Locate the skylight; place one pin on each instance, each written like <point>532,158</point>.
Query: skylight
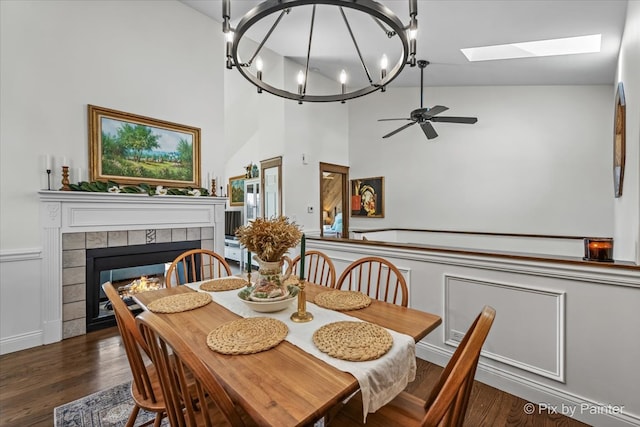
<point>564,46</point>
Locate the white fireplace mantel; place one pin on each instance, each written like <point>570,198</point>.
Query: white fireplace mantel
<point>71,212</point>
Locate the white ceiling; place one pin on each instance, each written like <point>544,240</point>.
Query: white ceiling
<point>445,27</point>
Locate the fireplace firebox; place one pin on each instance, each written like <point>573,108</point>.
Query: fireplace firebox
<point>122,265</point>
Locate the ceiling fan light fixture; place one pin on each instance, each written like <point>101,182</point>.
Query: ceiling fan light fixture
<point>392,27</point>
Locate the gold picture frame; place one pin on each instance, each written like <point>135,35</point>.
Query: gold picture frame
<point>131,149</point>
<point>236,190</point>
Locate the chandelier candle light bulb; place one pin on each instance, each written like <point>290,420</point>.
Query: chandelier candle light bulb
<point>343,81</point>
<point>259,66</point>
<point>229,42</point>
<point>384,63</point>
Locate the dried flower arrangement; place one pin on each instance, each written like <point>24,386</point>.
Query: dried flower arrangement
<point>269,239</point>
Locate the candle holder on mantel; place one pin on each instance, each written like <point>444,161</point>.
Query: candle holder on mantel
<point>302,315</point>
<point>48,179</point>
<point>598,249</point>
<point>213,188</point>
<point>65,179</point>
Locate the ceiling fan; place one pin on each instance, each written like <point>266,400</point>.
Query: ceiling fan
<point>424,116</point>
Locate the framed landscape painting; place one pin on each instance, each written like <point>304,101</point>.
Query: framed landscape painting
<point>236,190</point>
<point>131,149</point>
<point>367,197</point>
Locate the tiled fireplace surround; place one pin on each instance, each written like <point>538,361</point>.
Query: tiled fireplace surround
<point>74,248</point>
<point>73,222</point>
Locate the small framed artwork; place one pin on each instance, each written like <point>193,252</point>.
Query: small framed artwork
<point>619,130</point>
<point>367,197</point>
<point>131,149</point>
<point>236,190</point>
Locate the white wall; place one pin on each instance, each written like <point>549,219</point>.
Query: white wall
<point>627,207</point>
<point>319,131</point>
<point>537,161</point>
<point>154,58</point>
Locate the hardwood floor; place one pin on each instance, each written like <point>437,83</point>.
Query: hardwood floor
<point>34,381</point>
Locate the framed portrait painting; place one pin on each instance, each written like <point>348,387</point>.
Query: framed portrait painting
<point>131,149</point>
<point>367,197</point>
<point>236,190</point>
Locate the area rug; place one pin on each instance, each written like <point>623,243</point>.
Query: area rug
<point>107,408</point>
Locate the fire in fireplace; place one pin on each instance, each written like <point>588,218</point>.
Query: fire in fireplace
<point>122,266</point>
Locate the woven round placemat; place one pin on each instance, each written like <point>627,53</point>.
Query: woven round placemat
<point>353,341</point>
<point>223,284</point>
<point>247,336</point>
<point>342,300</point>
<point>180,302</point>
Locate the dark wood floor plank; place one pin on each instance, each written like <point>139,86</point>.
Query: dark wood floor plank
<point>34,381</point>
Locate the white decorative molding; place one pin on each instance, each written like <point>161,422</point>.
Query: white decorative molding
<point>507,295</point>
<point>71,212</point>
<point>582,272</point>
<point>17,255</point>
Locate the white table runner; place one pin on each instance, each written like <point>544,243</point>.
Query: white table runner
<point>380,380</point>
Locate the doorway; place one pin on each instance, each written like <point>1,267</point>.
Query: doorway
<point>334,196</point>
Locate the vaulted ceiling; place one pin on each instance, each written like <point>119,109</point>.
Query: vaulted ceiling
<point>446,26</point>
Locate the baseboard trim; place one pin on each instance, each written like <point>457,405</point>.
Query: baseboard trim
<point>537,392</point>
<point>21,342</point>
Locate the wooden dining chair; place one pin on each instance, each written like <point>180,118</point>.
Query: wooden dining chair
<point>176,362</point>
<point>195,265</point>
<point>448,401</point>
<point>376,277</point>
<point>319,268</point>
<point>145,387</point>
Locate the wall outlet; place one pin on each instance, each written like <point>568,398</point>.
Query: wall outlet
<point>309,209</point>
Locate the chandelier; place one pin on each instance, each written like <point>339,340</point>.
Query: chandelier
<point>374,50</point>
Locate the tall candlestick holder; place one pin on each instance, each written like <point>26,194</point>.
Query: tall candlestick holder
<point>48,179</point>
<point>302,315</point>
<point>65,179</point>
<point>213,188</point>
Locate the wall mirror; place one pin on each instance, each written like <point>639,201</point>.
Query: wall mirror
<point>271,183</point>
<point>334,196</point>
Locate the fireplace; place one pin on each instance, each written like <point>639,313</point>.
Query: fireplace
<point>74,222</point>
<point>121,266</point>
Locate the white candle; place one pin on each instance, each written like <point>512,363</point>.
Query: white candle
<point>47,162</point>
<point>208,183</point>
<point>79,175</point>
<point>64,162</point>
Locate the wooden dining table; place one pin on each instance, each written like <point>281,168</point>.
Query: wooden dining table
<point>283,386</point>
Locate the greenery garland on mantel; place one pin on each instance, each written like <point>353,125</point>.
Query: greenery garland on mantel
<point>114,187</point>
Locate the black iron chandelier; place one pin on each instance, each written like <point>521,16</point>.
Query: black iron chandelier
<point>250,38</point>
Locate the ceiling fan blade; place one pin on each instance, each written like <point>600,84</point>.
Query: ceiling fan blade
<point>436,109</point>
<point>386,120</point>
<point>468,120</point>
<point>399,129</point>
<point>428,130</point>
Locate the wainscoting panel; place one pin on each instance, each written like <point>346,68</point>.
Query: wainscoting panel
<point>20,328</point>
<point>528,332</point>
